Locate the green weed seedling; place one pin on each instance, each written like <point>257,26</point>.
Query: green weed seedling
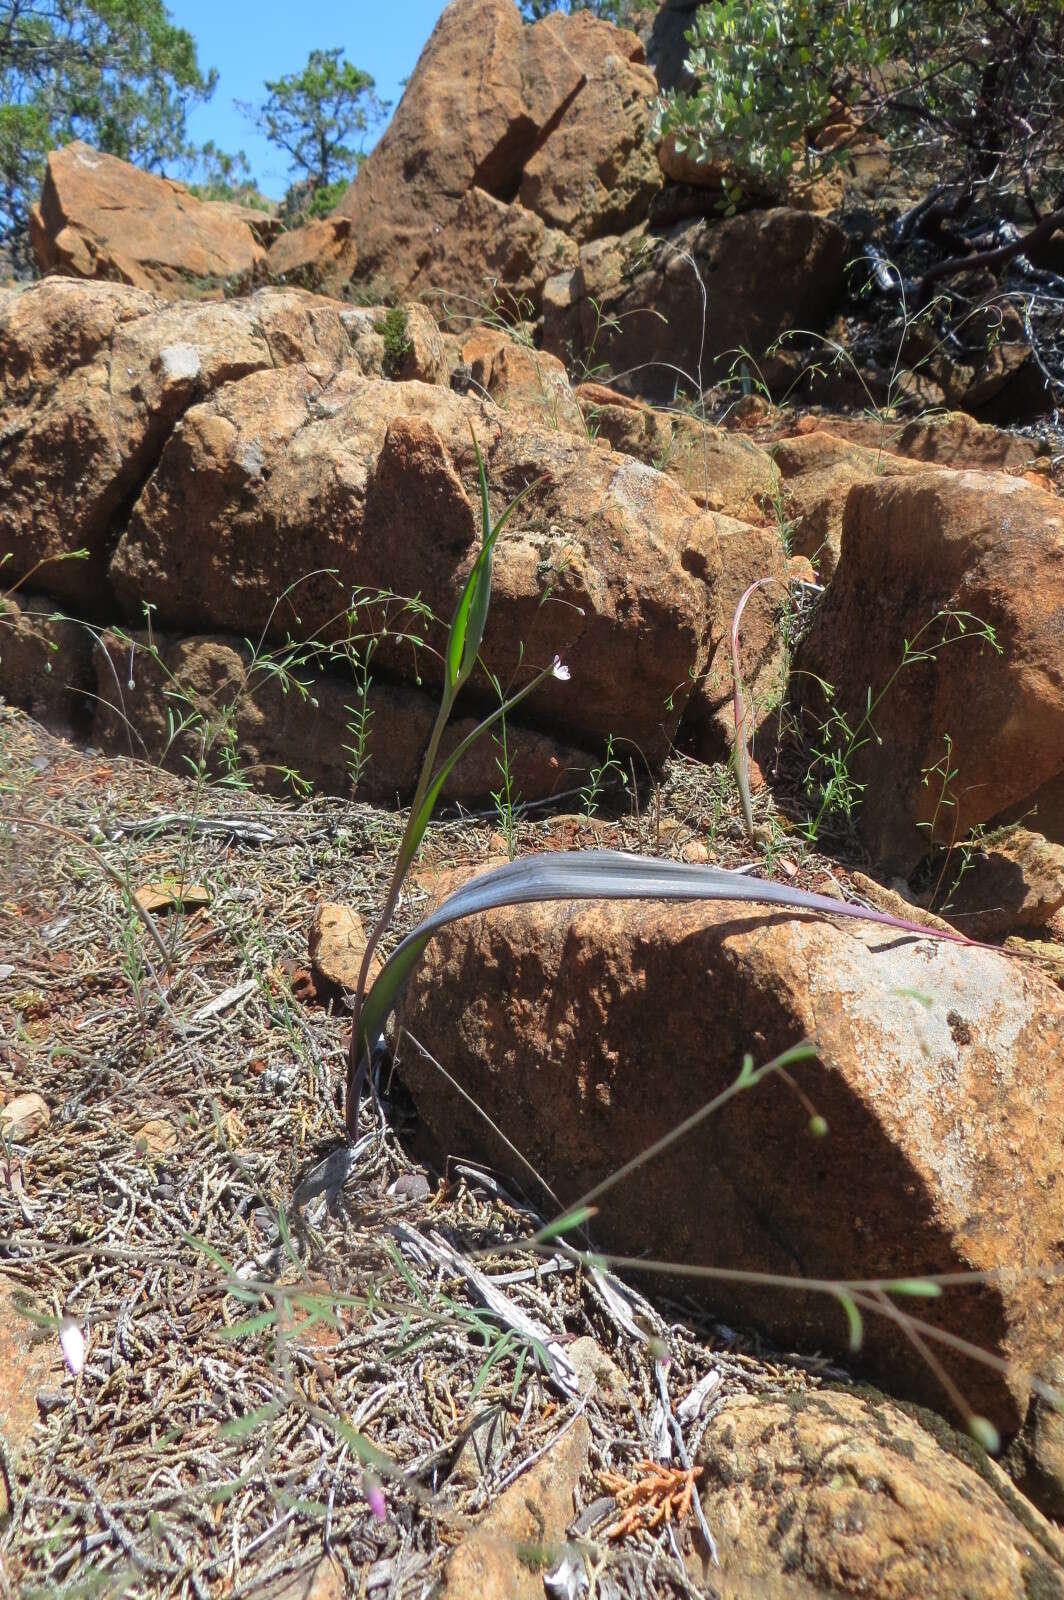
<point>830,780</point>
<point>505,798</point>
<point>608,770</point>
<point>396,339</point>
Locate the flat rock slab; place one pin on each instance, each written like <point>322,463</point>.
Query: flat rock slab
<point>100,217</point>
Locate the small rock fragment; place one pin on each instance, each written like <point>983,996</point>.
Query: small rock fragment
<point>156,1137</point>
<point>24,1116</point>
<point>325,1581</point>
<point>410,1186</point>
<point>805,1493</point>
<point>505,1556</point>
<point>1017,882</point>
<point>800,570</point>
<point>596,1370</point>
<point>169,894</point>
<point>336,946</point>
<point>483,1445</point>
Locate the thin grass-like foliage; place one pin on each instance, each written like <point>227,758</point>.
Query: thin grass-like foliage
<point>459,659</point>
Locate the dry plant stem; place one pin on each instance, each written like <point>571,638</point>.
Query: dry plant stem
<point>21,820</point>
<point>990,258</point>
<point>45,561</point>
<point>427,1055</point>
<point>742,758</point>
<point>869,1296</point>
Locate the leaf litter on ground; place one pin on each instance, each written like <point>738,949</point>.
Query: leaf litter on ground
<point>263,1363</point>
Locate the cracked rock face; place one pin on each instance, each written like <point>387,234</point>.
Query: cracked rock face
<point>511,145</point>
<point>95,378</point>
<point>668,311</point>
<point>245,468</point>
<point>366,485</point>
<point>915,548</point>
<point>588,1031</point>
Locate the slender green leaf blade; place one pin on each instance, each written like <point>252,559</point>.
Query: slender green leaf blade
<point>566,1224</point>
<point>239,1427</point>
<point>918,1288</point>
<point>853,1317</point>
<point>249,1326</point>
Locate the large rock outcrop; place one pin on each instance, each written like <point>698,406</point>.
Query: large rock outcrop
<point>287,466</point>
<point>95,378</point>
<point>587,1031</point>
<point>356,488</point>
<point>520,174</point>
<point>667,47</point>
<point>100,217</point>
<point>321,255</point>
<point>670,312</point>
<point>510,145</point>
<point>921,556</point>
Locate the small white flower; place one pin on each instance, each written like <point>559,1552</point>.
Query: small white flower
<point>560,670</point>
<point>73,1342</point>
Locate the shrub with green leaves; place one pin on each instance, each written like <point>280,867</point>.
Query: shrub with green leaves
<point>117,73</point>
<point>326,197</point>
<point>978,84</point>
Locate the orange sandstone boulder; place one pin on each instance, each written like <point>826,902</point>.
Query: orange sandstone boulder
<point>918,552</point>
<point>586,1031</point>
<point>100,217</point>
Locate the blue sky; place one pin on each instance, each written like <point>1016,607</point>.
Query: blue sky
<point>249,41</point>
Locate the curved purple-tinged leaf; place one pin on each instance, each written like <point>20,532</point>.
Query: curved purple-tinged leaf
<point>603,875</point>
